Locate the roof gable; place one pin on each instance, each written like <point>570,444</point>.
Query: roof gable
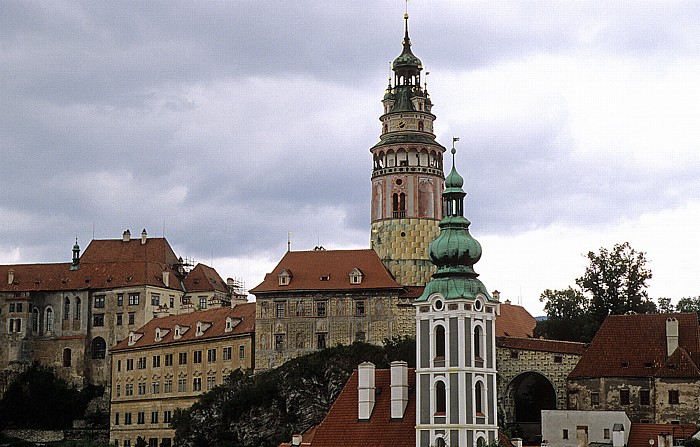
<point>514,321</point>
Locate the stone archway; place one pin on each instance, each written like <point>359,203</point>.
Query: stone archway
<point>526,396</point>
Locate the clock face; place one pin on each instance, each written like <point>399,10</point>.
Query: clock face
<point>401,124</point>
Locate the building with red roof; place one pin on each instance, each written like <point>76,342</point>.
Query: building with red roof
<point>645,365</point>
<point>166,364</point>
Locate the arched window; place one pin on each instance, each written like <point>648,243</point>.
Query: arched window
<point>77,308</point>
<point>420,124</point>
<point>48,325</point>
<point>66,357</point>
<point>35,320</point>
<point>66,309</point>
<point>477,343</point>
<point>478,398</point>
<point>439,343</point>
<point>440,399</point>
<point>440,442</point>
<point>99,348</point>
<point>481,442</point>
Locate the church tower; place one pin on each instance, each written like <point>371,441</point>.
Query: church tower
<point>455,339</point>
<point>407,175</point>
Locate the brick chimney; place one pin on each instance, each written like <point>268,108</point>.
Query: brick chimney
<point>671,335</point>
<point>126,235</point>
<point>296,440</point>
<point>496,295</point>
<point>143,236</point>
<point>399,388</point>
<point>365,390</point>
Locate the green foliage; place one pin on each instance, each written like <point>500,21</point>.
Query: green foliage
<point>665,306</point>
<point>39,399</point>
<point>614,283</point>
<point>267,408</point>
<point>140,442</point>
<point>688,304</point>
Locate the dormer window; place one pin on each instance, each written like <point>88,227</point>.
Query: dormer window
<point>356,276</point>
<point>284,278</point>
<point>201,328</point>
<point>326,277</point>
<point>134,337</point>
<point>180,331</point>
<point>160,333</point>
<point>231,323</point>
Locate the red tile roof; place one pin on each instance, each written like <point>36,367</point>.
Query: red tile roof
<point>514,321</point>
<point>341,426</point>
<point>307,268</point>
<point>542,345</point>
<point>216,317</point>
<point>203,278</point>
<point>635,346</point>
<point>640,434</point>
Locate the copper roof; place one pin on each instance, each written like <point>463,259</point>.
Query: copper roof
<point>216,317</point>
<point>542,345</point>
<point>203,278</point>
<point>328,270</point>
<point>635,346</point>
<point>341,426</point>
<point>640,434</point>
<point>514,321</point>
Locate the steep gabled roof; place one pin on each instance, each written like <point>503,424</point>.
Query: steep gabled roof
<point>203,278</point>
<point>542,345</point>
<point>342,427</point>
<point>640,434</point>
<point>635,346</point>
<point>514,321</point>
<point>243,314</point>
<point>307,268</point>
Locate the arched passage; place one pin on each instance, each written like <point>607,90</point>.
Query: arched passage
<point>527,395</point>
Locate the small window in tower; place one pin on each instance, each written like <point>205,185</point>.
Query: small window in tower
<point>420,123</point>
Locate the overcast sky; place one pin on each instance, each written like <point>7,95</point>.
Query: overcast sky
<point>225,125</point>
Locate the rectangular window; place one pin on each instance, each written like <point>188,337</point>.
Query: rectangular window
<point>155,299</point>
<point>134,299</point>
<point>120,319</point>
<point>606,433</point>
<point>321,341</point>
<point>120,299</point>
<point>131,318</point>
<point>181,385</point>
<point>141,417</point>
<point>127,443</point>
<point>279,342</point>
<point>172,301</point>
<point>156,361</point>
<point>167,416</point>
<point>155,388</point>
<point>127,420</point>
<point>227,353</point>
<point>211,382</point>
<point>321,309</point>
<point>644,397</point>
<point>12,307</point>
<point>197,384</point>
<point>142,388</point>
<point>558,359</point>
<point>595,399</point>
<point>168,386</point>
<point>197,357</point>
<point>152,442</point>
<point>154,417</point>
<point>182,358</point>
<point>99,301</point>
<point>129,364</point>
<point>241,352</point>
<point>116,418</point>
<point>359,308</point>
<point>673,397</point>
<point>565,434</point>
<point>19,307</point>
<point>514,355</point>
<point>211,355</point>
<point>129,389</point>
<point>119,390</point>
<point>202,302</point>
<point>141,363</point>
<point>168,360</point>
<point>624,397</point>
<point>280,310</point>
<point>98,320</point>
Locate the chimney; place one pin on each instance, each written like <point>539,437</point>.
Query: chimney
<point>665,440</point>
<point>399,388</point>
<point>10,276</point>
<point>671,335</point>
<point>143,236</point>
<point>166,279</point>
<point>296,440</point>
<point>126,236</point>
<point>365,390</point>
<point>618,435</point>
<point>496,295</point>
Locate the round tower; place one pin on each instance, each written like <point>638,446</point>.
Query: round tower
<point>407,174</point>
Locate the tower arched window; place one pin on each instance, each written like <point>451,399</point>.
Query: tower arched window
<point>439,342</point>
<point>66,309</point>
<point>48,323</point>
<point>77,308</point>
<point>35,320</point>
<point>440,399</point>
<point>478,354</point>
<point>99,348</point>
<point>479,398</point>
<point>420,123</point>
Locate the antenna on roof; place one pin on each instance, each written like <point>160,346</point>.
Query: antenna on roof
<point>289,241</point>
<point>163,234</point>
<point>93,229</point>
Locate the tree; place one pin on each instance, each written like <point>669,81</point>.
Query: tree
<point>617,281</point>
<point>665,306</point>
<point>688,304</point>
<point>567,316</point>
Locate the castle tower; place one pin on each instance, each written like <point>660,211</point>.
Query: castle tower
<point>455,340</point>
<point>407,174</point>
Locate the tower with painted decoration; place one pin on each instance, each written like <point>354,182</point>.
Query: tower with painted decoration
<point>455,338</point>
<point>407,174</point>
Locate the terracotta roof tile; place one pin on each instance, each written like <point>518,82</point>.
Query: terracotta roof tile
<point>203,278</point>
<point>216,317</point>
<point>341,426</point>
<point>635,346</point>
<point>640,434</point>
<point>514,321</point>
<point>542,345</point>
<point>308,267</point>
